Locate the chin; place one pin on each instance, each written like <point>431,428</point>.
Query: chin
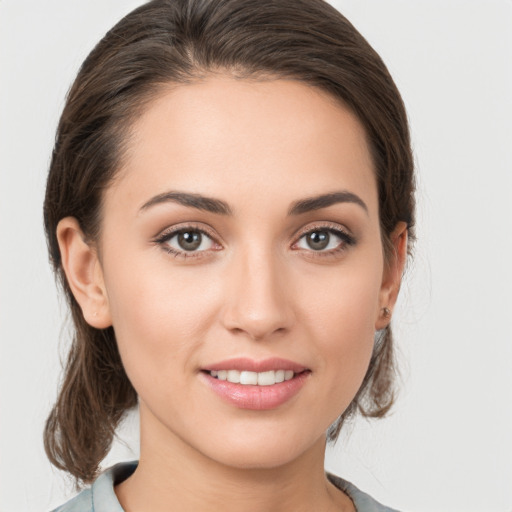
<point>263,450</point>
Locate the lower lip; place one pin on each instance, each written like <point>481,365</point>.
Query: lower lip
<point>257,398</point>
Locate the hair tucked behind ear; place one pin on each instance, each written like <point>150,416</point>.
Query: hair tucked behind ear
<point>93,398</point>
<point>376,394</point>
<point>177,42</point>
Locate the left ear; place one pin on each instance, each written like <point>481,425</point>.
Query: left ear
<point>392,276</point>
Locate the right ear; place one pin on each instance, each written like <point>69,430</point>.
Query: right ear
<point>83,273</point>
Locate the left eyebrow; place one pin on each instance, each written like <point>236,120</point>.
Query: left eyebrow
<point>323,201</point>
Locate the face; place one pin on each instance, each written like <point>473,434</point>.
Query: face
<point>241,241</point>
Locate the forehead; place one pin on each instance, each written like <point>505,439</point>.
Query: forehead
<point>265,141</point>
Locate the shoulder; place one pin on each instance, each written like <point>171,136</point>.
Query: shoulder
<point>101,496</point>
<point>363,502</point>
<point>80,503</point>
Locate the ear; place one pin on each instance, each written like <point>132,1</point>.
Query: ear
<point>83,273</point>
<point>392,276</point>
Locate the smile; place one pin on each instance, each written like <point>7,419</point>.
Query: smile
<point>257,385</point>
<point>268,378</point>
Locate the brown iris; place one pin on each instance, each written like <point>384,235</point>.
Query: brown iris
<point>318,240</point>
<point>190,240</point>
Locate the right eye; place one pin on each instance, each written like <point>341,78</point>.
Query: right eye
<point>186,242</point>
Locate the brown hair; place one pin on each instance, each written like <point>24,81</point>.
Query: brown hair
<point>179,41</point>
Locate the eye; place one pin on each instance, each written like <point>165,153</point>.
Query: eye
<point>186,242</point>
<point>324,240</point>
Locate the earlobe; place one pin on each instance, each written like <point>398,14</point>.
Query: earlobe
<point>83,273</point>
<point>392,276</point>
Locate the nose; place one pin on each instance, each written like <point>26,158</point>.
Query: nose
<point>258,301</point>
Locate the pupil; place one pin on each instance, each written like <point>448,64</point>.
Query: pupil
<point>189,240</point>
<point>318,240</point>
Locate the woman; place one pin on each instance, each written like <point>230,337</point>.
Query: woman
<point>229,209</point>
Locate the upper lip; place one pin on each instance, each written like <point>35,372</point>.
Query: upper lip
<point>251,365</point>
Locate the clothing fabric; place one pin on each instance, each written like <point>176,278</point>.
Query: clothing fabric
<point>100,497</point>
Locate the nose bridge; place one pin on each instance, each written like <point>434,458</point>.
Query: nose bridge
<point>258,303</point>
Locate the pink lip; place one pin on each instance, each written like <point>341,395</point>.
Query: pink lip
<point>250,365</point>
<point>256,398</point>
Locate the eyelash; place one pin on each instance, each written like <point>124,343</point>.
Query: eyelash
<point>347,240</point>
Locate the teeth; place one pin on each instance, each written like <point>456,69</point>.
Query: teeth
<point>248,378</point>
<point>233,376</point>
<point>253,378</point>
<point>266,378</point>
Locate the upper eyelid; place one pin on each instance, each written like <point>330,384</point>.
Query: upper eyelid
<point>327,226</point>
<point>175,229</point>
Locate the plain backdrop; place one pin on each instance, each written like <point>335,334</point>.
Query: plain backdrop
<point>448,444</point>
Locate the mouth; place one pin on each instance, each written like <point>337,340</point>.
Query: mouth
<point>249,378</point>
<point>257,385</point>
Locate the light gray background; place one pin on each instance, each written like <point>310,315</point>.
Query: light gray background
<point>448,445</point>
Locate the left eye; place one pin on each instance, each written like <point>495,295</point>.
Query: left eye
<point>189,240</point>
<point>321,240</point>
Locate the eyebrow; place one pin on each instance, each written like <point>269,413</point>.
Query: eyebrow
<point>218,206</point>
<point>323,201</point>
<point>198,201</point>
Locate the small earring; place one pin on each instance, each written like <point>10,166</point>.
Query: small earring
<point>386,312</point>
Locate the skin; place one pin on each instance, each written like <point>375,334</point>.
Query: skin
<point>255,288</point>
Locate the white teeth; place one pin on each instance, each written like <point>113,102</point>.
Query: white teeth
<point>280,376</point>
<point>233,376</point>
<point>266,378</point>
<point>248,378</point>
<point>253,378</point>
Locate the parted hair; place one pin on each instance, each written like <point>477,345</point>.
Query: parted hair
<point>178,42</point>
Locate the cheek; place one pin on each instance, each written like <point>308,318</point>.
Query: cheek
<point>340,312</point>
<point>159,317</point>
<point>343,302</point>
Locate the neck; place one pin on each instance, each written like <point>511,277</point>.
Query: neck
<point>175,476</point>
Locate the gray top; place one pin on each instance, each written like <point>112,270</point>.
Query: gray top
<point>102,498</point>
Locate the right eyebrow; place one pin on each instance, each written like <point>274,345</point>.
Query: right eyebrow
<point>198,201</point>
